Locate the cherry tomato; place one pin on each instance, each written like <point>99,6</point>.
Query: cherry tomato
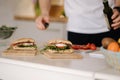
<point>93,46</point>
<point>76,47</point>
<point>85,47</point>
<point>88,45</point>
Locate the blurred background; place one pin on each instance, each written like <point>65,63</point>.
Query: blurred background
<point>22,14</point>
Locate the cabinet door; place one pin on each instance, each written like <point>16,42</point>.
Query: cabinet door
<point>15,72</point>
<point>1,76</point>
<point>1,72</point>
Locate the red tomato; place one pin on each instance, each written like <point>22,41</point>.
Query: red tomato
<point>93,46</point>
<point>76,47</point>
<point>88,45</point>
<point>83,47</point>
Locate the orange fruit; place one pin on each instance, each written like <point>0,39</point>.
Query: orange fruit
<point>119,50</point>
<point>113,46</point>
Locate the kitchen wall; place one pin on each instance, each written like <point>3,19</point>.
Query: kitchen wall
<point>28,28</point>
<point>7,8</point>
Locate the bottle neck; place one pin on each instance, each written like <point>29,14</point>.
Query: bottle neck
<point>105,2</point>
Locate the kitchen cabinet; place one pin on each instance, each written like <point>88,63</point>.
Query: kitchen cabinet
<point>108,74</point>
<point>1,76</point>
<point>17,72</point>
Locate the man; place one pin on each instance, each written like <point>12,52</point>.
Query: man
<point>86,22</point>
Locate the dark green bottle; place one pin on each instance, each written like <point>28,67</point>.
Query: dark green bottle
<point>108,12</point>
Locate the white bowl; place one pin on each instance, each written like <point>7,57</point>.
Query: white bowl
<point>112,58</point>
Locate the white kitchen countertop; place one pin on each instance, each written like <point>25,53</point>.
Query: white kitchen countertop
<point>88,66</point>
<point>62,65</point>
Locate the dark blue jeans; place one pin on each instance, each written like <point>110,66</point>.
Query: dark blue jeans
<point>79,38</point>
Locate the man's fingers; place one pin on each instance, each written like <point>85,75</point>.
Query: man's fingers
<point>116,24</point>
<point>40,26</point>
<point>117,19</point>
<point>115,13</point>
<point>39,23</point>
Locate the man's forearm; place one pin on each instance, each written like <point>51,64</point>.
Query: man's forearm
<point>117,3</point>
<point>45,6</point>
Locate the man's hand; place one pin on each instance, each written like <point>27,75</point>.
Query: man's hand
<point>116,19</point>
<point>40,21</point>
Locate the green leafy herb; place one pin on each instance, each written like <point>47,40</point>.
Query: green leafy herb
<point>6,32</point>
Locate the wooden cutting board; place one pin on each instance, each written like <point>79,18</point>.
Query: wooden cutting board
<point>20,52</point>
<point>63,56</point>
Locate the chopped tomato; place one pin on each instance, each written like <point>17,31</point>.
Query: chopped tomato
<point>76,47</point>
<point>93,47</point>
<point>88,45</point>
<point>85,47</point>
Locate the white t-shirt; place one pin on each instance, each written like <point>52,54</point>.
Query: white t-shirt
<point>86,16</point>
